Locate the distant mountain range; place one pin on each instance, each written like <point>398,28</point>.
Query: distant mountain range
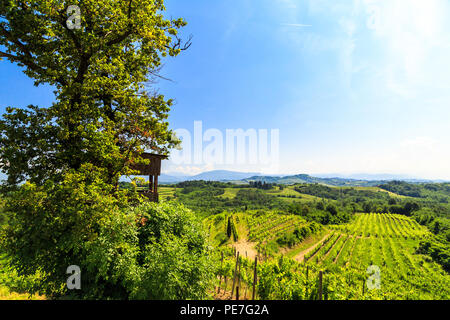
<point>328,179</point>
<point>215,175</point>
<point>333,180</point>
<point>304,178</point>
<point>366,176</point>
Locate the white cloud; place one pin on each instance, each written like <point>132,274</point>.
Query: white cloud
<point>413,35</point>
<point>424,143</point>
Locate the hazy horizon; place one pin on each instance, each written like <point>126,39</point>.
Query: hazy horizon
<point>355,176</point>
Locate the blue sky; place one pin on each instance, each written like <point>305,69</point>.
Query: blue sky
<point>353,86</point>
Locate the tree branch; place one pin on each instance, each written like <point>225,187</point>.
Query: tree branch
<point>27,58</point>
<point>178,45</point>
<point>16,41</point>
<point>128,32</point>
<point>63,22</point>
<point>9,56</point>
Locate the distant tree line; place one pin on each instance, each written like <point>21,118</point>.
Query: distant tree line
<point>439,192</point>
<point>262,185</point>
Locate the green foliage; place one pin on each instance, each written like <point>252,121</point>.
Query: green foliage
<point>3,215</point>
<point>57,225</point>
<point>231,229</point>
<point>11,280</point>
<point>177,259</point>
<point>63,162</point>
<point>261,185</point>
<point>285,279</point>
<point>439,251</point>
<point>329,214</point>
<point>234,230</point>
<point>202,184</point>
<point>385,240</point>
<point>332,209</point>
<point>438,191</point>
<point>334,193</point>
<point>204,198</point>
<point>291,238</point>
<point>76,222</point>
<point>104,113</point>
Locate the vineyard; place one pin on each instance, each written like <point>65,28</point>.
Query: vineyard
<point>267,231</point>
<point>341,260</point>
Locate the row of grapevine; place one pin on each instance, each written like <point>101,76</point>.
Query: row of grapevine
<point>341,260</point>
<point>312,253</point>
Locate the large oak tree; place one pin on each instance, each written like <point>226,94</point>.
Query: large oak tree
<point>72,153</point>
<point>102,65</point>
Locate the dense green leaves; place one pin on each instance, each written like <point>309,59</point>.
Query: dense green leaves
<point>438,251</point>
<point>153,251</point>
<point>175,255</point>
<point>64,161</point>
<point>105,113</point>
<point>70,223</point>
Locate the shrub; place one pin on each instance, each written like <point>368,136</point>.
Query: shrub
<point>57,225</point>
<point>153,251</point>
<point>176,257</point>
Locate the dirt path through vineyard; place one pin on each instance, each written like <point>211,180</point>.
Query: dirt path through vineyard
<point>301,256</point>
<point>246,249</point>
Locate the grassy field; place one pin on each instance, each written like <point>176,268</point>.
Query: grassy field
<point>165,192</point>
<point>229,193</point>
<point>377,189</point>
<point>288,194</point>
